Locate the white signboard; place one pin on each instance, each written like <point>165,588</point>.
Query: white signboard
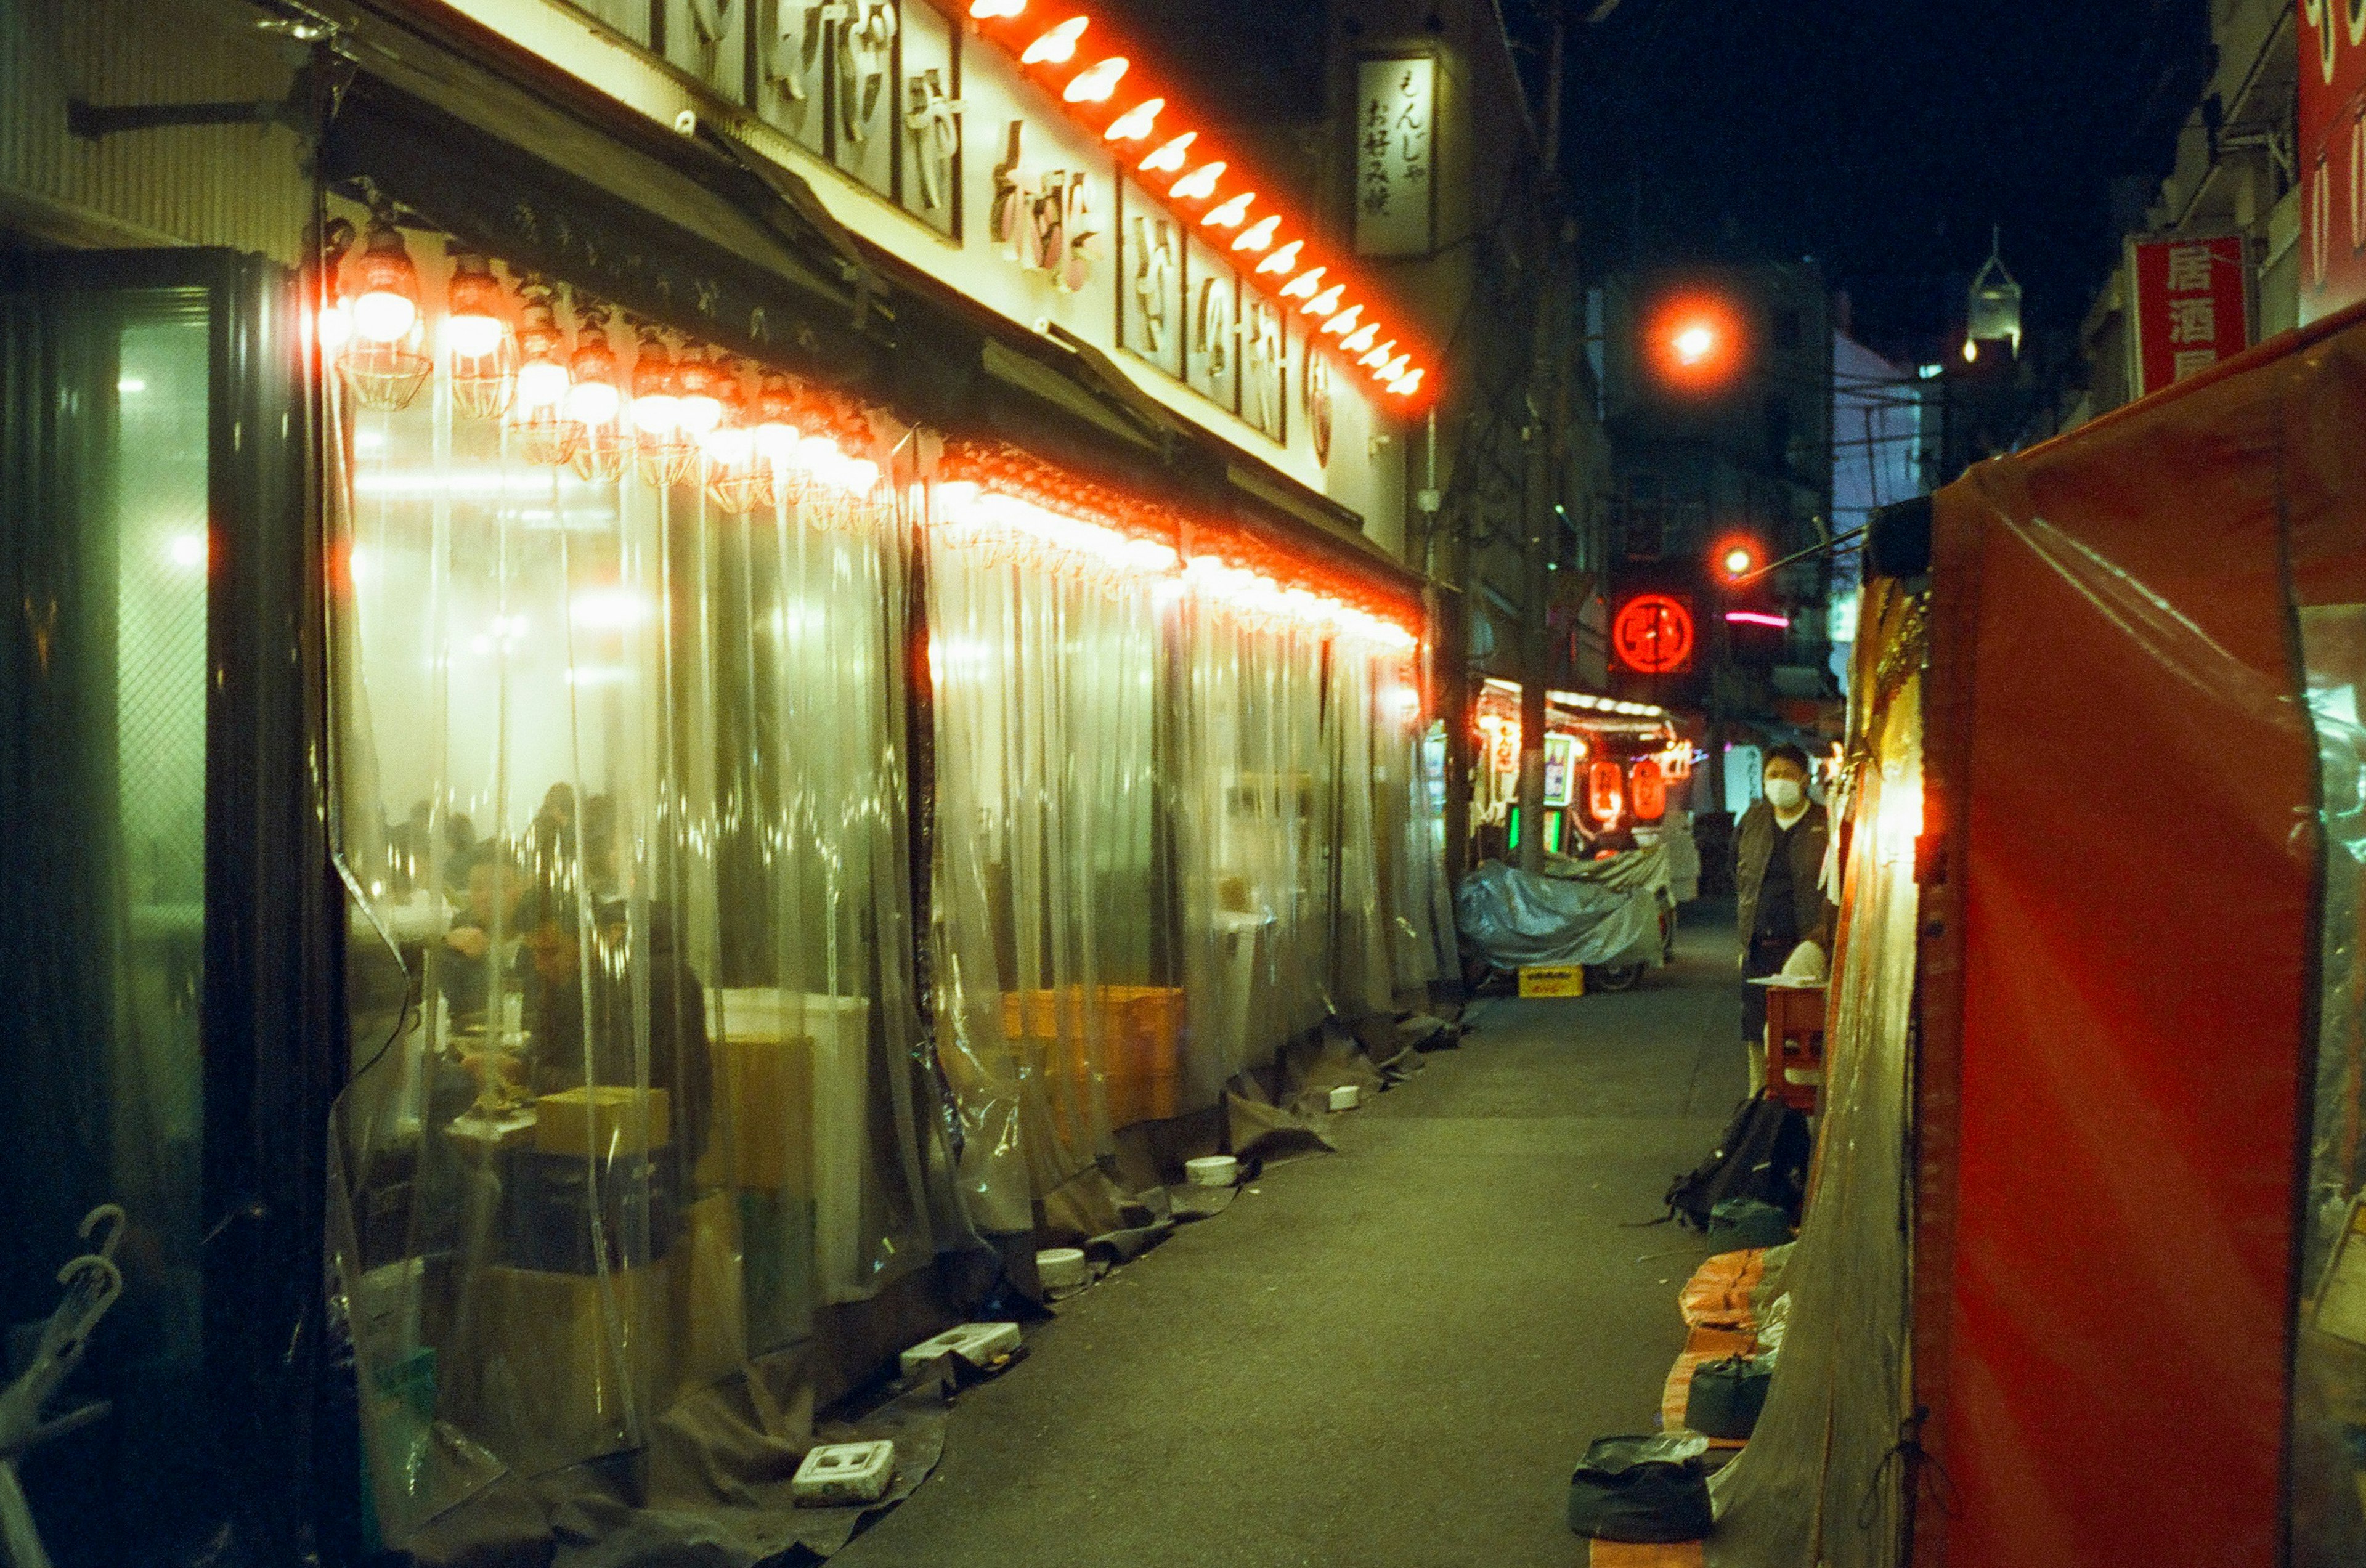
<point>1396,156</point>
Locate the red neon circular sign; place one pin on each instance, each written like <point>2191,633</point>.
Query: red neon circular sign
<point>1653,633</point>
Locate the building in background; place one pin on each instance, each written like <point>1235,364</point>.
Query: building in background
<point>1407,125</point>
<point>1718,396</point>
<point>1878,437</point>
<point>2216,262</point>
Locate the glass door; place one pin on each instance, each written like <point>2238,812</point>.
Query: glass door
<point>118,528</point>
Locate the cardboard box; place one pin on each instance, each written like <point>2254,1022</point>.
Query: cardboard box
<point>1553,980</point>
<point>603,1119</point>
<point>764,1094</point>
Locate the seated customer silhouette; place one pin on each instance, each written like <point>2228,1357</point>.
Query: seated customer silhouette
<point>567,972</point>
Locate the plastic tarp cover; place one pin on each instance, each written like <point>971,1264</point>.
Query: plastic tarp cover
<point>2119,1030</point>
<point>1819,1484</point>
<point>1515,920</point>
<point>639,1086</point>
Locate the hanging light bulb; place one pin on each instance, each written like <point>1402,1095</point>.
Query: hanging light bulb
<point>734,478</point>
<point>1344,322</point>
<point>477,332</point>
<point>385,305</point>
<point>1303,285</point>
<point>1395,370</point>
<point>1229,214</point>
<point>1259,234</point>
<point>1322,304</point>
<point>1199,184</point>
<point>1283,259</point>
<point>546,433</point>
<point>1135,123</point>
<point>381,360</point>
<point>1169,156</point>
<point>1093,83</point>
<point>776,435</point>
<point>595,401</point>
<point>1361,339</point>
<point>1408,384</point>
<point>662,447</point>
<point>988,10</point>
<point>1379,357</point>
<point>1056,47</point>
<point>476,315</point>
<point>698,384</point>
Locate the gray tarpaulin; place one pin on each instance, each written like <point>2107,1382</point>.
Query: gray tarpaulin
<point>1514,919</point>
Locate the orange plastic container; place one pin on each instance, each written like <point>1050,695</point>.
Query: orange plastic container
<point>1141,1030</point>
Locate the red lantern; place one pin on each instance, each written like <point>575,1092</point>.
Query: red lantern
<point>1605,792</point>
<point>1647,789</point>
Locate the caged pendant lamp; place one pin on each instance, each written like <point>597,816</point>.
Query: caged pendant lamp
<point>382,362</point>
<point>595,400</point>
<point>478,336</point>
<point>545,433</point>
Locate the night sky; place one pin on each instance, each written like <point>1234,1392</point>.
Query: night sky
<point>1881,137</point>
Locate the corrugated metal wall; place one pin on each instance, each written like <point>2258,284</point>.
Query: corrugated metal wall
<point>240,185</point>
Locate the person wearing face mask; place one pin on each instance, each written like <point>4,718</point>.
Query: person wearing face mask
<point>1778,869</point>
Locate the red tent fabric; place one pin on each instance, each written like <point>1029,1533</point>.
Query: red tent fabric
<point>2120,978</point>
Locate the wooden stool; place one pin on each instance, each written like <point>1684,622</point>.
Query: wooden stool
<point>1795,1046</point>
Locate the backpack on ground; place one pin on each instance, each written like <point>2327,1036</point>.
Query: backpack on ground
<point>1762,1155</point>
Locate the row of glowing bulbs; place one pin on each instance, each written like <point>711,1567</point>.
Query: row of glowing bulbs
<point>571,404</point>
<point>970,514</point>
<point>1315,293</point>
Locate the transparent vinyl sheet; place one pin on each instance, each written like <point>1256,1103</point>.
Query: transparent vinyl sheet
<point>1056,1022</point>
<point>639,1085</point>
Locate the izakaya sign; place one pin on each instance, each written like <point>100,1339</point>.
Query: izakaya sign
<point>2193,307</point>
<point>1396,156</point>
<point>2332,156</point>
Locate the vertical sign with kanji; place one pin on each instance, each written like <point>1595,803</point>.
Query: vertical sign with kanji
<point>2193,307</point>
<point>1396,156</point>
<point>2332,156</point>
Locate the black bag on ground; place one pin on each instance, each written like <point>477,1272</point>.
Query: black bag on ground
<point>1728,1396</point>
<point>1763,1155</point>
<point>1642,1489</point>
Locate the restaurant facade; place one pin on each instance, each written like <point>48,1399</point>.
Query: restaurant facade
<point>683,674</point>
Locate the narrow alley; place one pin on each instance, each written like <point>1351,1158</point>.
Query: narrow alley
<point>1389,1354</point>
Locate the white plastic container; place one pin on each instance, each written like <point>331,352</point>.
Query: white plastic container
<point>838,1474</point>
<point>976,1343</point>
<point>1061,1267</point>
<point>1212,1170</point>
<point>1346,1097</point>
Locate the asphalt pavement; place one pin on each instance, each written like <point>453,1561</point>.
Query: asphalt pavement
<point>1387,1357</point>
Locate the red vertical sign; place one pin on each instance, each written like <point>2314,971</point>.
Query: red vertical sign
<point>2332,156</point>
<point>2193,307</point>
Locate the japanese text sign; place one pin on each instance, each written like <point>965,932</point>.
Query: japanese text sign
<point>2193,307</point>
<point>1396,156</point>
<point>2332,156</point>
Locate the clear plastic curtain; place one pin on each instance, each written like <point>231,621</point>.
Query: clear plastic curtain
<point>1363,971</point>
<point>1056,1023</point>
<point>1410,850</point>
<point>1251,869</point>
<point>639,1084</point>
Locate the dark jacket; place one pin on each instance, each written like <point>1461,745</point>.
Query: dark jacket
<point>1753,845</point>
